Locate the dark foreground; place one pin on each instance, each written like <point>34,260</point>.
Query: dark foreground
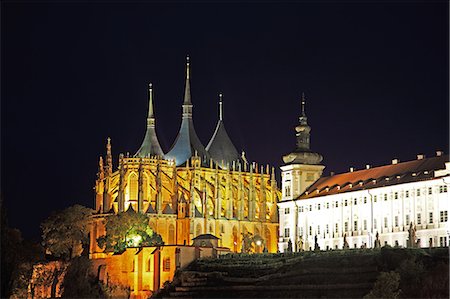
<point>386,273</point>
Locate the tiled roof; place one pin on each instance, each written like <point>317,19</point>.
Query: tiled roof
<point>387,175</point>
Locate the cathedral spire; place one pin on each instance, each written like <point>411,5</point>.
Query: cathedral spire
<point>303,119</point>
<point>220,147</point>
<point>150,104</point>
<point>187,87</point>
<point>150,145</point>
<point>187,141</point>
<point>303,104</point>
<point>220,107</point>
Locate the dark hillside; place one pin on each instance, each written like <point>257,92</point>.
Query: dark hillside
<point>323,274</point>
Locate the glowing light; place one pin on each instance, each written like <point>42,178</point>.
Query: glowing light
<point>134,240</point>
<point>258,242</point>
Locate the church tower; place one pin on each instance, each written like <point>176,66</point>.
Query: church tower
<point>302,166</point>
<point>150,146</point>
<point>187,144</point>
<point>220,147</point>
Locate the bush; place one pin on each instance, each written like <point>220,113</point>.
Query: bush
<point>386,286</point>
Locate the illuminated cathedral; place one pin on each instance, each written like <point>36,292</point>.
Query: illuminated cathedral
<point>190,190</point>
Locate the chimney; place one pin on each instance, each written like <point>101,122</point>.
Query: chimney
<point>439,153</point>
<point>352,169</point>
<point>367,166</point>
<point>395,161</point>
<point>420,156</point>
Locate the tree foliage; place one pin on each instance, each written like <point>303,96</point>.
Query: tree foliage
<point>65,233</point>
<point>128,229</point>
<point>386,286</point>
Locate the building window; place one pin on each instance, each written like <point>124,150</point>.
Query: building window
<point>346,226</point>
<point>365,200</point>
<point>374,198</point>
<point>310,208</point>
<point>318,229</point>
<point>430,218</point>
<point>355,201</point>
<point>328,205</point>
<point>419,218</point>
<point>149,264</point>
<point>309,177</point>
<point>310,230</point>
<point>443,241</point>
<point>385,222</point>
<point>444,216</point>
<point>133,266</point>
<point>385,197</point>
<point>337,228</point>
<point>166,264</point>
<point>355,225</point>
<point>430,190</point>
<point>301,231</point>
<point>407,219</point>
<point>396,221</point>
<point>300,209</point>
<point>345,202</point>
<point>365,225</point>
<point>337,204</point>
<point>286,232</point>
<point>395,195</point>
<point>375,224</point>
<point>407,193</point>
<point>287,191</point>
<point>318,206</point>
<point>418,192</point>
<point>326,229</point>
<point>286,211</point>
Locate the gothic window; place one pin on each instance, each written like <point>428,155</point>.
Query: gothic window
<point>133,186</point>
<point>145,188</point>
<point>133,266</point>
<point>149,264</point>
<point>210,229</point>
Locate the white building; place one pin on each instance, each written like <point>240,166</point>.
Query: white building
<point>360,204</point>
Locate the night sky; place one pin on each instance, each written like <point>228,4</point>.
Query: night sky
<point>375,77</point>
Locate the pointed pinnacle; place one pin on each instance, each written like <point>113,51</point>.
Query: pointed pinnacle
<point>220,107</point>
<point>303,103</point>
<point>150,101</point>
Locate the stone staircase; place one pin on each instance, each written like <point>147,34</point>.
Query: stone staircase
<point>301,275</point>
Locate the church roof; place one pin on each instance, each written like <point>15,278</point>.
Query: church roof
<point>187,143</point>
<point>150,209</point>
<point>220,147</point>
<point>168,210</point>
<point>150,146</point>
<point>387,175</point>
<point>205,237</point>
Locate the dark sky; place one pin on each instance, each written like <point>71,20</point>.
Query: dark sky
<point>375,77</point>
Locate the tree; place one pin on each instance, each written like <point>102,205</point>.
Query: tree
<point>128,229</point>
<point>386,286</point>
<point>65,233</point>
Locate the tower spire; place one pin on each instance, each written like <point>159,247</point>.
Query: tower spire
<point>220,107</point>
<point>150,146</point>
<point>187,88</point>
<point>303,104</point>
<point>150,103</point>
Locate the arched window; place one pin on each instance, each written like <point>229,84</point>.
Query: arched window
<point>235,239</point>
<point>133,186</point>
<point>171,234</point>
<point>210,229</point>
<point>150,264</point>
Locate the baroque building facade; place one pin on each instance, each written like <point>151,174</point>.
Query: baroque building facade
<point>401,204</point>
<point>191,190</point>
